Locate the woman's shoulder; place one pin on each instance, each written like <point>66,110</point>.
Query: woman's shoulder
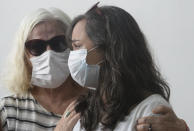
<point>16,99</point>
<point>154,98</point>
<point>13,105</point>
<point>18,96</point>
<point>20,109</point>
<point>145,107</point>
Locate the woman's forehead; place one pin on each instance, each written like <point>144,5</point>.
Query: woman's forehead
<point>79,32</point>
<point>46,30</point>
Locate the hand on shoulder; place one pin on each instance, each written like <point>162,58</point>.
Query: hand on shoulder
<point>166,121</point>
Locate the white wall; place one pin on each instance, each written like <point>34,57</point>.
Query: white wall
<point>168,25</point>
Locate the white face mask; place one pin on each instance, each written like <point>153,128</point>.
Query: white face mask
<point>50,70</point>
<point>84,74</point>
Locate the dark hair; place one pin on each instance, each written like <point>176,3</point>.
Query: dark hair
<point>128,74</point>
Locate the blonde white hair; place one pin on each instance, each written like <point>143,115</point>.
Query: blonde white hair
<point>18,72</point>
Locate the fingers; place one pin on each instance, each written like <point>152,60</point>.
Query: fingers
<point>74,120</point>
<point>150,119</point>
<point>72,105</point>
<point>67,123</point>
<point>72,113</point>
<point>70,108</point>
<point>166,112</point>
<point>163,119</point>
<point>145,127</point>
<point>70,121</point>
<point>142,127</point>
<point>73,117</point>
<point>69,118</point>
<point>162,110</point>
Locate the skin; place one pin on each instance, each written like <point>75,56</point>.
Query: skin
<point>61,96</point>
<point>168,121</point>
<point>80,40</point>
<point>67,123</point>
<point>52,99</point>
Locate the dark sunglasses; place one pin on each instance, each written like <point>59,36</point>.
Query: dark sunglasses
<point>37,46</point>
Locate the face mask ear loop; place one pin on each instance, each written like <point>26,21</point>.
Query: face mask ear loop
<point>92,49</point>
<point>100,62</point>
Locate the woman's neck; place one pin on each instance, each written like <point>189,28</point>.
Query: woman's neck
<point>56,100</point>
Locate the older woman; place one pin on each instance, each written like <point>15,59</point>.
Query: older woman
<point>38,74</point>
<point>110,50</point>
<point>39,77</point>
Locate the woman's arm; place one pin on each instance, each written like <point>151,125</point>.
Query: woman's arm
<point>166,121</point>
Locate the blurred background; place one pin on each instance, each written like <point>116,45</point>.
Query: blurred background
<point>167,24</point>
